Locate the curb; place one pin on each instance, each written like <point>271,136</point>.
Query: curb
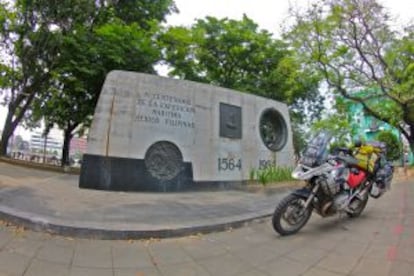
<point>37,224</point>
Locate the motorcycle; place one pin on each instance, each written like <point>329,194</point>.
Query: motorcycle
<point>335,183</point>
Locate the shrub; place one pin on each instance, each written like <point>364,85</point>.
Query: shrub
<point>271,174</point>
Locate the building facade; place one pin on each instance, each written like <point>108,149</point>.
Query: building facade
<point>366,128</point>
<point>52,144</point>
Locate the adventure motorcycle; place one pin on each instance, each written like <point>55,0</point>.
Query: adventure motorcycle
<point>335,183</point>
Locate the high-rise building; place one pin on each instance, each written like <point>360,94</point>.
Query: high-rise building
<point>52,143</point>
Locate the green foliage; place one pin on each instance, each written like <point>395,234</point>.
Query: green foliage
<point>352,45</point>
<point>143,12</point>
<point>338,144</point>
<point>271,174</point>
<point>338,125</point>
<point>252,174</point>
<point>29,46</point>
<point>263,176</point>
<point>299,139</point>
<point>394,146</point>
<point>236,54</point>
<point>62,51</point>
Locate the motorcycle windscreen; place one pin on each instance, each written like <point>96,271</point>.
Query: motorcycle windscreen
<point>317,150</point>
<point>356,178</point>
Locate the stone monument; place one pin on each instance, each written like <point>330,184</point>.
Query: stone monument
<point>152,133</point>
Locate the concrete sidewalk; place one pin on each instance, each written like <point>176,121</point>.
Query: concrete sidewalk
<point>52,202</point>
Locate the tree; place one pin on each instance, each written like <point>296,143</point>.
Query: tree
<point>337,124</point>
<point>29,48</point>
<point>299,140</point>
<point>351,43</point>
<point>142,12</point>
<point>87,58</point>
<point>394,146</point>
<point>123,41</point>
<point>48,43</point>
<point>236,54</point>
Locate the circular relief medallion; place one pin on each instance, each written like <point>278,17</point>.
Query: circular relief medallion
<point>273,129</point>
<point>164,160</point>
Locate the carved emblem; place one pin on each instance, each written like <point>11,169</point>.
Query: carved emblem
<point>273,130</point>
<point>164,160</point>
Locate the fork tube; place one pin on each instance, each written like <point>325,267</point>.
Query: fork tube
<point>312,195</point>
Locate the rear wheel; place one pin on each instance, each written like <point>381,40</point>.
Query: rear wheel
<point>290,215</point>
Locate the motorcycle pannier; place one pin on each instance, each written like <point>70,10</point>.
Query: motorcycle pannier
<point>384,175</point>
<point>367,156</point>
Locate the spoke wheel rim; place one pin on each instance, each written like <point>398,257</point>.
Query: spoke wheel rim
<point>294,215</point>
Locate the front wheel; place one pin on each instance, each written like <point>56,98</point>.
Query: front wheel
<point>290,215</point>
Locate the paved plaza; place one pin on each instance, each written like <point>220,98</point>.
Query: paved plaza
<point>52,202</point>
<point>380,242</point>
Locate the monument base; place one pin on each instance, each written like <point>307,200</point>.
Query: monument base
<point>127,174</point>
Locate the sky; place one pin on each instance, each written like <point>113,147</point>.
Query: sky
<point>268,14</point>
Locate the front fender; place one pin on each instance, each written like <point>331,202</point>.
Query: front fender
<point>302,192</point>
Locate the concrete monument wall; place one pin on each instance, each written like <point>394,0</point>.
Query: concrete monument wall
<point>152,133</point>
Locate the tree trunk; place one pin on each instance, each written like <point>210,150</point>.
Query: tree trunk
<point>15,113</point>
<point>66,147</point>
<point>68,135</point>
<point>5,136</point>
<point>8,130</point>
